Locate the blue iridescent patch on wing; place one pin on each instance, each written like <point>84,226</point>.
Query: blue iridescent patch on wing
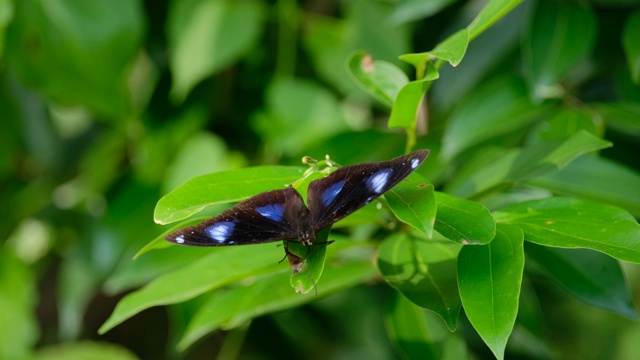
<point>273,212</point>
<point>379,180</point>
<point>221,231</point>
<point>331,192</point>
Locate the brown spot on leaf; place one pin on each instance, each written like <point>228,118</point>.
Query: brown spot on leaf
<point>367,63</point>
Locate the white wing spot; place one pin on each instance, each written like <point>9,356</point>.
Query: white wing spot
<point>180,239</point>
<point>377,181</point>
<point>220,231</point>
<point>415,162</point>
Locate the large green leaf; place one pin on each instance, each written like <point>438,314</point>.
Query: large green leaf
<point>452,50</point>
<point>365,25</point>
<point>489,279</point>
<point>207,35</point>
<point>134,274</point>
<point>18,301</point>
<point>6,15</point>
<point>621,116</point>
<point>574,223</point>
<point>493,11</point>
<point>599,179</point>
<point>406,108</point>
<point>567,121</point>
<point>85,350</point>
<point>410,331</point>
<point>493,169</point>
<point>544,158</point>
<point>631,43</point>
<point>272,293</point>
<point>222,266</point>
<point>285,125</point>
<point>379,78</point>
<point>77,52</point>
<point>463,221</point>
<point>424,272</point>
<point>413,202</point>
<point>592,277</point>
<point>222,187</point>
<point>307,262</point>
<point>497,107</point>
<point>187,162</point>
<point>410,10</point>
<point>561,35</point>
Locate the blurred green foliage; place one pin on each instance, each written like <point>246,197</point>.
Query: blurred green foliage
<point>111,109</point>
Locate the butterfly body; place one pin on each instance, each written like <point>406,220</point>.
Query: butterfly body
<point>282,214</point>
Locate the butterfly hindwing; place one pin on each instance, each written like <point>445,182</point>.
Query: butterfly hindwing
<point>266,217</point>
<point>352,187</point>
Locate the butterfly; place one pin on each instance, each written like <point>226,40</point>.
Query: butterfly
<point>282,214</point>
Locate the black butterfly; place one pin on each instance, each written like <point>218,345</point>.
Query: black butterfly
<point>282,215</point>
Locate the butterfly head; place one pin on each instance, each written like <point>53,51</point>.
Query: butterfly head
<point>306,237</point>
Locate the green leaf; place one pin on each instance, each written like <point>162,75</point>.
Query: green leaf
<point>206,36</point>
<point>381,79</point>
<point>621,116</point>
<point>18,300</point>
<point>592,277</point>
<point>561,35</point>
<point>531,333</point>
<point>573,223</point>
<point>327,42</point>
<point>544,158</point>
<point>492,12</point>
<point>135,274</point>
<point>76,287</point>
<point>365,25</point>
<point>493,169</point>
<point>598,179</point>
<point>405,109</point>
<point>77,52</point>
<point>489,278</point>
<point>454,348</point>
<point>285,125</point>
<point>452,50</point>
<point>269,294</point>
<point>410,331</point>
<point>224,265</point>
<point>85,350</point>
<point>6,15</point>
<point>424,272</point>
<point>496,108</point>
<point>566,122</point>
<point>188,163</point>
<point>463,221</point>
<point>307,262</point>
<point>223,187</point>
<point>631,44</point>
<point>410,10</point>
<point>413,202</point>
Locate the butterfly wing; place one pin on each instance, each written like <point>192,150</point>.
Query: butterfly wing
<point>266,217</point>
<point>352,187</point>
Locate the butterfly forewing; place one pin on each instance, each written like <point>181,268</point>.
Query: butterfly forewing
<point>282,215</point>
<point>266,217</point>
<point>352,187</point>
